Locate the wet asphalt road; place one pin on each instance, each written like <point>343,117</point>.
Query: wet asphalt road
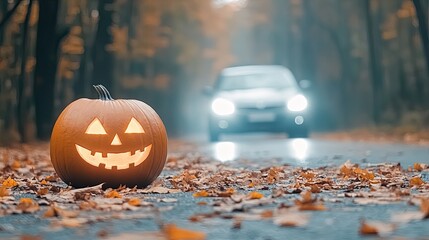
<point>341,221</point>
<point>311,152</point>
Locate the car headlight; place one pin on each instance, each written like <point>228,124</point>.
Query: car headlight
<point>222,107</point>
<point>297,103</point>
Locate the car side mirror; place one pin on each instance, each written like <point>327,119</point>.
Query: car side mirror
<point>304,84</point>
<point>208,91</point>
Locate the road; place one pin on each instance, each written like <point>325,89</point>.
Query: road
<point>312,152</point>
<point>341,221</point>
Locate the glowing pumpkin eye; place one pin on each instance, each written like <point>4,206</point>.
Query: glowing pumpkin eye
<point>134,127</point>
<point>95,127</point>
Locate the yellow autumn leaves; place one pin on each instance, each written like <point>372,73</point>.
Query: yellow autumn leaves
<point>9,183</point>
<point>348,170</point>
<point>214,193</point>
<point>352,170</point>
<point>27,205</point>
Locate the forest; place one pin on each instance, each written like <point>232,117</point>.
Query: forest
<point>367,60</point>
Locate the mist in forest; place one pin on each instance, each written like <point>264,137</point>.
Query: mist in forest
<point>366,61</point>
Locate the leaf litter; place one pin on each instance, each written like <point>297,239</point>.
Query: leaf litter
<point>284,195</point>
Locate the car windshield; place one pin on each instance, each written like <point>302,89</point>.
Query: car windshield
<point>278,80</point>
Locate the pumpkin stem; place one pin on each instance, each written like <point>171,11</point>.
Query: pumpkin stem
<point>103,93</point>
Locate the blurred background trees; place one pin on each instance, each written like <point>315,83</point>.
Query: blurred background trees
<point>367,60</point>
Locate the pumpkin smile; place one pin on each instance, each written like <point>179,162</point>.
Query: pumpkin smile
<point>114,160</point>
<point>119,142</point>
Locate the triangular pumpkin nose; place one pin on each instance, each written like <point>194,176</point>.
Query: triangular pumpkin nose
<point>116,140</point>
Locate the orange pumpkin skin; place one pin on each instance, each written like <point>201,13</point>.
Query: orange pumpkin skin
<point>116,142</point>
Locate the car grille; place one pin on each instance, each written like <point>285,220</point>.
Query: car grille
<point>261,108</point>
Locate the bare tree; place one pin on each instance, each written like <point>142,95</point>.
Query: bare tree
<point>374,63</point>
<point>23,101</point>
<point>422,9</point>
<point>46,67</point>
<point>103,59</point>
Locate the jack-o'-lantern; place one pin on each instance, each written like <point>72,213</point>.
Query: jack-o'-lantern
<point>116,142</point>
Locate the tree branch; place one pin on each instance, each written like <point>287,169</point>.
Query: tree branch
<point>22,106</point>
<point>9,14</point>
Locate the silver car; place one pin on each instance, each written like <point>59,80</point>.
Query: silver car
<point>257,98</point>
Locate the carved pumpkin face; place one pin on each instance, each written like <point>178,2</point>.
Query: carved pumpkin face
<point>113,157</point>
<point>118,142</point>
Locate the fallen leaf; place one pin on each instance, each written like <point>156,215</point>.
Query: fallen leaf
<point>175,233</point>
<point>308,203</point>
<point>103,233</point>
<point>201,216</point>
<point>82,196</point>
<point>135,202</point>
<point>42,191</point>
<point>376,228</point>
<point>127,206</point>
<point>380,201</point>
<point>54,211</point>
<point>202,193</point>
<point>87,205</point>
<point>424,207</point>
<point>93,189</point>
<point>9,183</point>
<point>4,191</point>
<point>50,213</point>
<point>255,195</point>
<point>306,197</point>
<point>367,229</point>
<point>347,169</point>
<point>70,222</point>
<point>315,189</point>
<point>416,181</point>
<point>307,175</point>
<point>291,219</point>
<point>418,167</point>
<point>30,237</point>
<point>112,194</point>
<point>228,193</point>
<point>161,190</point>
<point>312,207</point>
<point>138,236</point>
<point>51,178</point>
<point>236,224</point>
<point>27,205</point>
<point>364,174</point>
<point>16,164</point>
<point>71,196</point>
<point>267,214</point>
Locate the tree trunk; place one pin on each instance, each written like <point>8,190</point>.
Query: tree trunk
<point>307,60</point>
<point>22,103</point>
<point>374,64</point>
<point>422,16</point>
<point>46,67</point>
<point>82,84</point>
<point>103,59</point>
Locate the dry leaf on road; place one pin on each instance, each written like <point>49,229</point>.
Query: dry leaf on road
<point>162,190</point>
<point>376,228</point>
<point>291,219</point>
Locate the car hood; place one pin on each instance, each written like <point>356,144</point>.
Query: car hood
<point>258,98</point>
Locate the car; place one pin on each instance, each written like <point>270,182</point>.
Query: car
<point>257,98</point>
